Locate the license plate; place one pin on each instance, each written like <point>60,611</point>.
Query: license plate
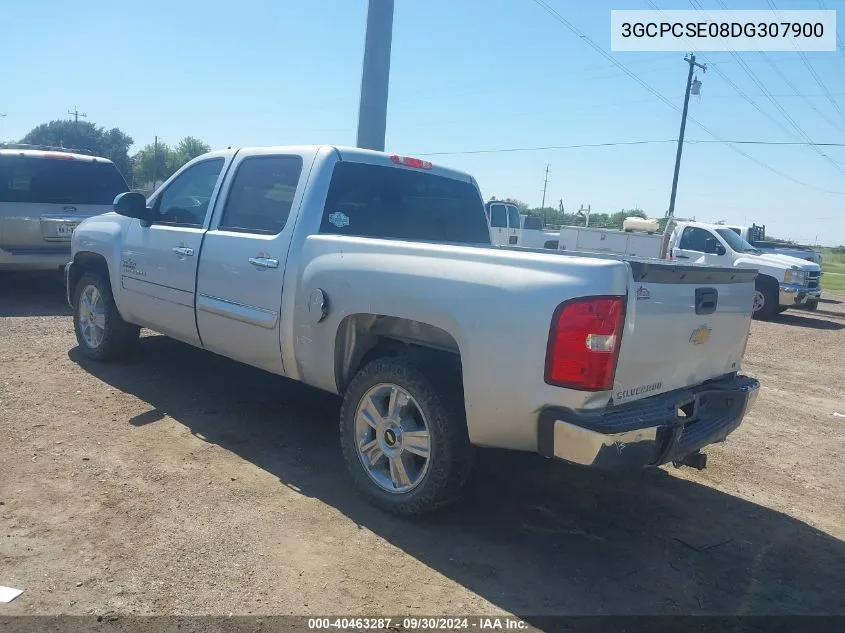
<point>65,229</point>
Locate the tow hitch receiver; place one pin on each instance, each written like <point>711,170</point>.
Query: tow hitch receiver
<point>697,460</point>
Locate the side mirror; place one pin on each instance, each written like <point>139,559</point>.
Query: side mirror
<point>133,205</point>
<point>712,247</point>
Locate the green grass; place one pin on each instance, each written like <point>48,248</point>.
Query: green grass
<point>833,265</point>
<point>834,283</point>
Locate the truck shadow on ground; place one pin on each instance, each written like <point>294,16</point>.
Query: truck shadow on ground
<point>532,536</point>
<point>815,323</point>
<point>26,294</point>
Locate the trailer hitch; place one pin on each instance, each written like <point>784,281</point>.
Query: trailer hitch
<point>697,460</point>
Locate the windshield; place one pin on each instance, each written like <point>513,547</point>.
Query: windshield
<point>59,181</point>
<point>736,242</point>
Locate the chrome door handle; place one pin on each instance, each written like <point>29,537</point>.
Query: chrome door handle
<point>264,262</point>
<point>184,251</point>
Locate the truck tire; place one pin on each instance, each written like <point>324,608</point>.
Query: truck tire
<point>100,331</point>
<point>812,306</point>
<point>765,299</point>
<point>404,436</point>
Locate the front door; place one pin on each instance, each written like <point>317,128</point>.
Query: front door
<point>159,262</point>
<point>242,267</point>
<point>696,246</point>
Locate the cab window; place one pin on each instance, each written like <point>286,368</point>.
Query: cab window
<point>185,200</point>
<point>694,239</point>
<point>261,195</point>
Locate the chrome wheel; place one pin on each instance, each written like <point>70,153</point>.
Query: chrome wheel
<point>92,316</point>
<point>392,437</point>
<point>759,301</point>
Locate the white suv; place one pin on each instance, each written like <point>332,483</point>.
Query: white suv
<point>44,194</point>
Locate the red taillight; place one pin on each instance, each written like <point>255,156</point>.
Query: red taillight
<point>411,162</point>
<point>584,343</point>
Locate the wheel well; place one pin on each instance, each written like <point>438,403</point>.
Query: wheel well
<point>86,262</point>
<point>769,281</point>
<point>364,337</point>
<point>551,244</point>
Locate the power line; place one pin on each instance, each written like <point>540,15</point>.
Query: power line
<point>797,93</point>
<point>551,11</point>
<point>503,150</point>
<point>823,7</point>
<point>812,70</point>
<point>751,74</point>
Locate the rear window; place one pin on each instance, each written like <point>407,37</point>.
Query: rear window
<point>61,181</point>
<point>533,222</point>
<point>513,217</point>
<point>389,202</point>
<point>498,216</point>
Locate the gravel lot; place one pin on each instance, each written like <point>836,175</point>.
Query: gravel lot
<point>186,483</point>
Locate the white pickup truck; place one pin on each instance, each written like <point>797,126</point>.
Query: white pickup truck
<point>373,276</point>
<point>783,282</point>
<point>756,236</point>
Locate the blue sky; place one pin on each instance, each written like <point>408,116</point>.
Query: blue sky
<point>465,75</point>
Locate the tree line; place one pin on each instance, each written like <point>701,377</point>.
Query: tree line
<point>152,163</point>
<point>557,217</point>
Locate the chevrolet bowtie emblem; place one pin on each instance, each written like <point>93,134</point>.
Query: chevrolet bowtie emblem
<point>700,335</point>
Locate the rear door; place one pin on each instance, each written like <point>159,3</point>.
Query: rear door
<point>684,325</point>
<point>514,228</point>
<point>242,264</point>
<point>159,262</point>
<point>499,224</point>
<point>44,196</point>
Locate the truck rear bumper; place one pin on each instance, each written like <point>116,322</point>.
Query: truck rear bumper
<point>33,259</point>
<point>792,295</point>
<point>649,432</point>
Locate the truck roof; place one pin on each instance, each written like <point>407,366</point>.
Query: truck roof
<point>706,225</point>
<point>58,153</point>
<point>359,155</point>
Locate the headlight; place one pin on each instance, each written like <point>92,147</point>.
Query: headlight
<point>799,277</point>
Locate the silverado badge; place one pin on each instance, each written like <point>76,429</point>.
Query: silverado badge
<point>700,335</point>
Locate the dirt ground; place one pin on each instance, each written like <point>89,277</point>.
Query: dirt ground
<point>183,483</point>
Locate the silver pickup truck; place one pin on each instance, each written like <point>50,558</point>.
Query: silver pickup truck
<point>373,276</point>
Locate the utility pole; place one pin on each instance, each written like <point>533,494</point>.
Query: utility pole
<point>545,184</point>
<point>2,116</point>
<point>155,162</point>
<point>375,75</point>
<point>690,59</point>
<point>76,114</point>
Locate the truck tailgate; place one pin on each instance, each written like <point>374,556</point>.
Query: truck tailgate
<point>684,325</point>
